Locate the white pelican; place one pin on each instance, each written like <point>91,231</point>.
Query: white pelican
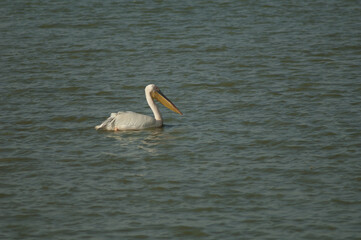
<point>135,121</point>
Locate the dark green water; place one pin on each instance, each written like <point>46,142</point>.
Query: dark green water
<point>268,147</point>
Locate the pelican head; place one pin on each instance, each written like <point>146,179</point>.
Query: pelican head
<point>155,93</point>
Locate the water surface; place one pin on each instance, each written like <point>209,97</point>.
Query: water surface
<point>268,147</point>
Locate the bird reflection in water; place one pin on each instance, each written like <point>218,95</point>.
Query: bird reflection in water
<point>149,141</point>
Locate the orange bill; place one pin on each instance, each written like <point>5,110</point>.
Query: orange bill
<point>165,101</point>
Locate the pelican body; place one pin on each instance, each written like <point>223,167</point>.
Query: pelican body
<point>135,121</point>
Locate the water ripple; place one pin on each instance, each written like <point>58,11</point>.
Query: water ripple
<point>268,146</point>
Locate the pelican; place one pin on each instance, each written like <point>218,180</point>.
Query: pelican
<point>135,121</point>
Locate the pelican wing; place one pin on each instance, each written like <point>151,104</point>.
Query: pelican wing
<point>128,121</point>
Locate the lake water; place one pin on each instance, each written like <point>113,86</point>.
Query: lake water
<point>268,147</point>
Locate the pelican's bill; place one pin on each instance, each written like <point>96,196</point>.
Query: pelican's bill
<point>165,101</point>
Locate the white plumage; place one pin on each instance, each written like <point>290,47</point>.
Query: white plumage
<point>127,121</point>
<point>135,121</point>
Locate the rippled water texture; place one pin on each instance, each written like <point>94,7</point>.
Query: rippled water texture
<point>268,147</point>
